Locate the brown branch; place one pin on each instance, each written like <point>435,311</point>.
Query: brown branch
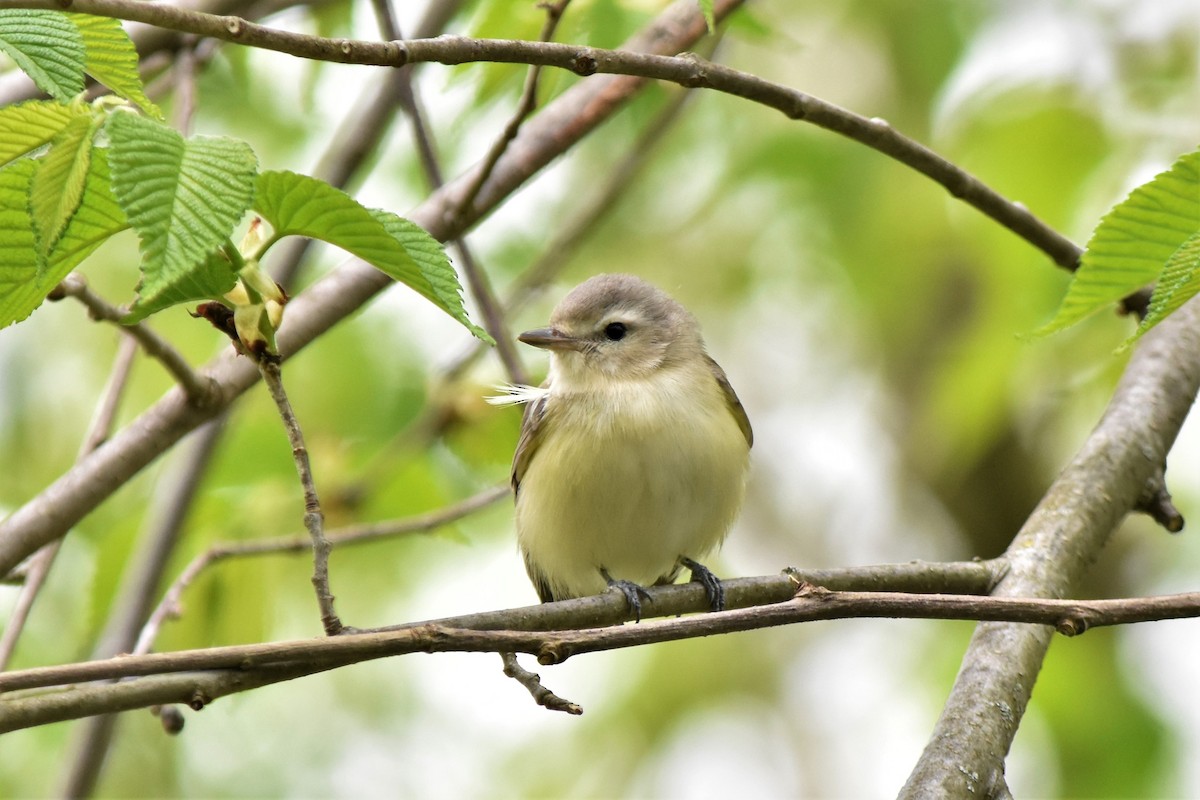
<point>685,70</point>
<point>138,587</point>
<point>533,684</point>
<point>1104,482</point>
<point>295,658</point>
<point>314,518</point>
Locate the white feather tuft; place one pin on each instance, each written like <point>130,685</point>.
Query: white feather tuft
<point>515,394</point>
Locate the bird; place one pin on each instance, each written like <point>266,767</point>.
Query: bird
<point>632,458</point>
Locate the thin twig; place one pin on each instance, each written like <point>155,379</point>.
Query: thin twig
<point>172,600</point>
<point>575,230</point>
<point>314,518</point>
<point>525,107</point>
<point>199,390</point>
<point>138,587</point>
<point>533,683</point>
<point>494,319</point>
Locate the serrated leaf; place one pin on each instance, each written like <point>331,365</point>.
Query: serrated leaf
<point>47,47</point>
<point>1133,242</point>
<point>1178,283</point>
<point>430,257</point>
<point>706,8</point>
<point>57,185</point>
<point>111,58</point>
<point>98,217</point>
<point>183,197</point>
<point>208,280</point>
<point>29,125</point>
<point>303,206</point>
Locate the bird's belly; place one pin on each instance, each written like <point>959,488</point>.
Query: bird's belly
<point>632,500</point>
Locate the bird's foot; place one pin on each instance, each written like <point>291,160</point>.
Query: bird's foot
<point>711,583</point>
<point>634,593</point>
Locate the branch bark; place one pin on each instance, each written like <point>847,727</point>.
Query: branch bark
<point>1106,480</point>
<point>195,676</point>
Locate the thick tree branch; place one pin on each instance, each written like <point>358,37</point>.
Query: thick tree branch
<point>1105,481</point>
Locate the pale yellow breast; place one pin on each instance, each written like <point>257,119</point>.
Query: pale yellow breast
<point>629,479</point>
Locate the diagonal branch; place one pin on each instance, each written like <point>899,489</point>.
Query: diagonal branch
<point>1104,482</point>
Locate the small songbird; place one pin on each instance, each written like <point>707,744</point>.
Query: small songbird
<point>633,454</point>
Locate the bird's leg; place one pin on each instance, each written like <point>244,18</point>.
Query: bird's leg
<point>711,583</point>
<point>633,593</point>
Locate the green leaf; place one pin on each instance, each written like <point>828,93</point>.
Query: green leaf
<point>98,217</point>
<point>182,197</point>
<point>111,58</point>
<point>29,125</point>
<point>47,47</point>
<point>1133,242</point>
<point>208,280</point>
<point>430,257</point>
<point>1178,283</point>
<point>706,8</point>
<point>57,186</point>
<point>297,205</point>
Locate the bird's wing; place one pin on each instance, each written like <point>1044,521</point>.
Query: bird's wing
<point>731,400</point>
<point>527,444</point>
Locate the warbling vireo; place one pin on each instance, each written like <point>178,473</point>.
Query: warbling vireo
<point>633,454</point>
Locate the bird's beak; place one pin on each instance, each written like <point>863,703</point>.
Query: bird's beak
<point>550,339</point>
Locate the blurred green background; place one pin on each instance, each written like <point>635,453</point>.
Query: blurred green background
<point>872,325</point>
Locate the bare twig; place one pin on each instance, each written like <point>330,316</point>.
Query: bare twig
<point>354,534</point>
<point>526,106</point>
<point>533,683</point>
<point>198,390</point>
<point>314,518</point>
<point>494,319</point>
<point>573,231</point>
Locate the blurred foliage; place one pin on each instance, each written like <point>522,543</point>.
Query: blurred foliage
<point>874,327</point>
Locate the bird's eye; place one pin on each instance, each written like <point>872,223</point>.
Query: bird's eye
<point>615,331</point>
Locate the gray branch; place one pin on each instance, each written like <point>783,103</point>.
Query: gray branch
<point>1107,479</point>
